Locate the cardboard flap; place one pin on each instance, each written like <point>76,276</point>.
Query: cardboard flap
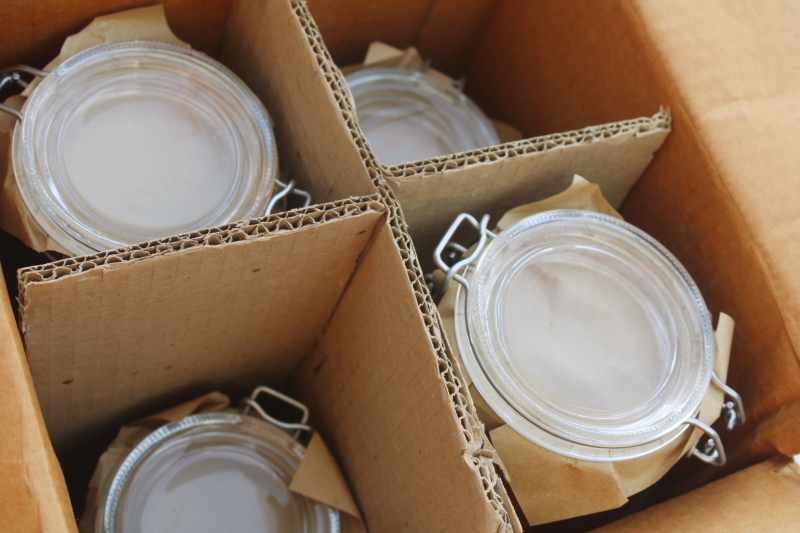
<point>32,488</point>
<point>318,477</point>
<point>764,497</point>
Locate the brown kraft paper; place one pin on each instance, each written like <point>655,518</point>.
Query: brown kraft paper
<point>147,23</point>
<point>549,486</point>
<point>318,476</point>
<point>383,55</point>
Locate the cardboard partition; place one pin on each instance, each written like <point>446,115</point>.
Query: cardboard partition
<point>116,336</point>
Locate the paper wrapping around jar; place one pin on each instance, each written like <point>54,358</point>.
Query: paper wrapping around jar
<point>318,476</point>
<point>147,23</point>
<point>549,486</point>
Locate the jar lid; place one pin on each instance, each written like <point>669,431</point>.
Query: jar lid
<point>213,472</point>
<point>407,115</point>
<point>133,141</point>
<point>585,335</point>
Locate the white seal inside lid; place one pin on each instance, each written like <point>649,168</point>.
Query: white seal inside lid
<point>133,141</point>
<point>210,473</point>
<point>407,115</point>
<point>583,328</point>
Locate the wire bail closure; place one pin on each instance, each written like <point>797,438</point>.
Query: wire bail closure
<point>451,272</point>
<point>287,189</point>
<point>734,415</point>
<point>251,402</point>
<point>10,76</point>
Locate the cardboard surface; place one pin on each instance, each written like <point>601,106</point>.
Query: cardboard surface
<point>381,404</point>
<point>239,308</point>
<point>31,483</point>
<point>496,180</point>
<point>283,67</point>
<point>745,110</point>
<point>764,497</point>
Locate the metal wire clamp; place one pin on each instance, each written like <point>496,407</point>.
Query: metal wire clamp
<point>252,403</point>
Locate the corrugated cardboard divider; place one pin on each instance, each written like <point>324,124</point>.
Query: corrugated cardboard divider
<point>349,138</point>
<point>268,45</point>
<point>114,337</point>
<point>383,399</point>
<point>351,175</point>
<point>240,305</point>
<point>493,180</point>
<point>558,66</point>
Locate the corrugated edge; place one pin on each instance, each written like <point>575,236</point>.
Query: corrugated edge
<point>237,231</point>
<point>477,452</point>
<point>661,121</point>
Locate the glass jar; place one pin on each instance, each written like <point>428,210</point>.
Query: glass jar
<point>585,335</point>
<point>408,115</point>
<point>135,140</point>
<point>214,472</point>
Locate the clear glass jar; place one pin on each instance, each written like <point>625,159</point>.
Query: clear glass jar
<point>584,334</point>
<point>212,472</point>
<point>407,115</point>
<point>132,141</point>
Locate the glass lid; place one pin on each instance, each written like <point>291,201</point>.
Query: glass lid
<point>210,473</point>
<point>583,328</point>
<point>133,141</point>
<point>407,115</point>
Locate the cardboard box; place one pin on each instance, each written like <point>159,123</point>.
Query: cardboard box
<point>349,326</point>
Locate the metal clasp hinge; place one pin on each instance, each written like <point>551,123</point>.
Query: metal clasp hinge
<point>251,403</point>
<point>734,415</point>
<point>287,189</point>
<point>451,272</point>
<point>732,411</point>
<point>12,75</point>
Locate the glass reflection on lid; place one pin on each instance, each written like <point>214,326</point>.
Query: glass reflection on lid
<point>132,141</point>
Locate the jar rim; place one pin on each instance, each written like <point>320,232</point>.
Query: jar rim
<point>267,433</point>
<point>535,418</point>
<point>238,126</point>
